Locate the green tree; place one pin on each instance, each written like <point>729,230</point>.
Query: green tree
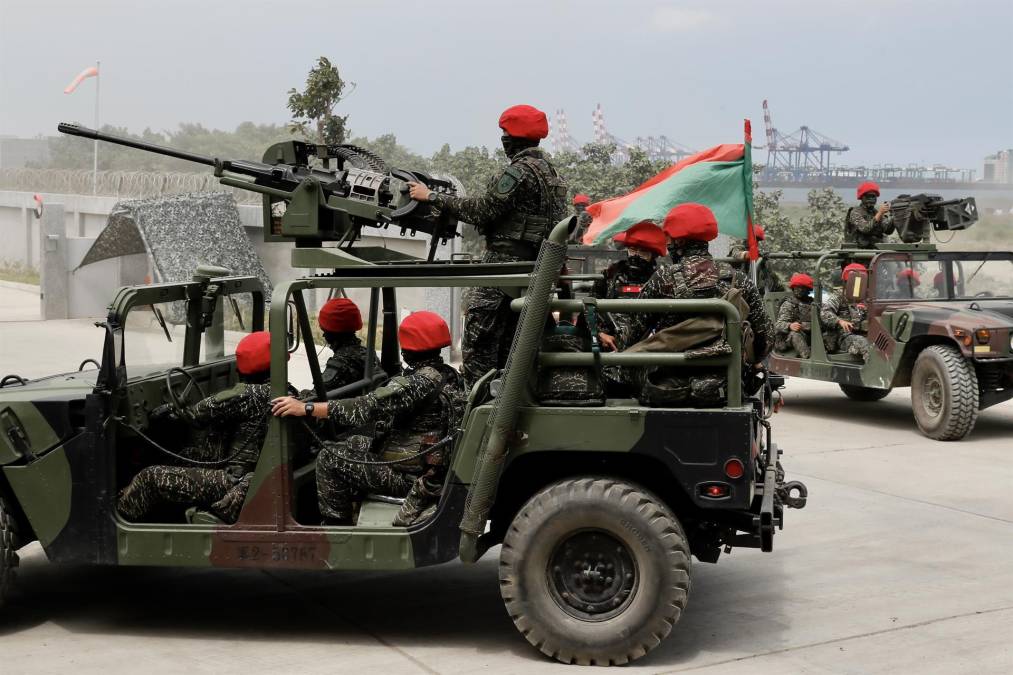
<point>313,108</point>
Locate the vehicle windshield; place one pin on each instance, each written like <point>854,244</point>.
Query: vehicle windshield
<point>154,335</point>
<point>944,278</point>
<point>986,278</point>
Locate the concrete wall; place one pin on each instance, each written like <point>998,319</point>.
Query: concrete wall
<point>91,287</point>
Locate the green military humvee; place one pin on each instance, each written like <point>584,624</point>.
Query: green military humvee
<point>949,337</point>
<point>598,508</point>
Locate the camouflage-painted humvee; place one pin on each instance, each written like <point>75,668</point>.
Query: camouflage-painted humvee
<point>598,507</point>
<point>940,322</point>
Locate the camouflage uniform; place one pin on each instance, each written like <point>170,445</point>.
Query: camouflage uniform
<point>791,311</point>
<point>516,213</point>
<point>583,222</point>
<point>621,280</point>
<point>347,363</point>
<point>419,409</point>
<point>837,307</point>
<point>862,229</point>
<point>696,276</point>
<point>766,278</point>
<point>237,420</point>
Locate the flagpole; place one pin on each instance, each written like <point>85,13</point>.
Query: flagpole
<point>94,159</point>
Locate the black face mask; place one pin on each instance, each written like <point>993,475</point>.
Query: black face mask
<point>675,251</point>
<point>801,294</point>
<point>413,359</point>
<point>512,145</point>
<point>638,264</point>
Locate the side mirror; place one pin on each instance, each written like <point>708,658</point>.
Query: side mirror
<point>292,334</point>
<point>855,285</point>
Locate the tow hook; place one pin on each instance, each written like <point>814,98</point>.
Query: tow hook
<point>792,494</point>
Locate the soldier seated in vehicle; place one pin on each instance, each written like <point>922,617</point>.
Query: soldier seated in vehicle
<point>766,278</point>
<point>939,285</point>
<point>237,419</point>
<point>339,319</point>
<point>905,283</point>
<point>844,321</point>
<point>645,242</point>
<point>794,324</point>
<point>421,409</point>
<point>694,274</point>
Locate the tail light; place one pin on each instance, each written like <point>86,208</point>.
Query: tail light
<point>734,468</point>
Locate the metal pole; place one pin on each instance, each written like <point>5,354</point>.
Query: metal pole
<point>94,162</point>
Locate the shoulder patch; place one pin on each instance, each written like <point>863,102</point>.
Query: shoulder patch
<point>238,389</point>
<point>510,179</point>
<point>393,387</point>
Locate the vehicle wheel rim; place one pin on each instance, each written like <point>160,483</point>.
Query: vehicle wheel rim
<point>932,396</point>
<point>592,575</point>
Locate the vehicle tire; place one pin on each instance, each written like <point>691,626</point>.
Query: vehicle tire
<point>944,393</point>
<point>556,558</point>
<point>8,551</point>
<point>867,394</point>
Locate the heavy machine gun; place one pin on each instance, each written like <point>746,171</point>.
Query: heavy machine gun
<point>913,214</point>
<point>316,193</point>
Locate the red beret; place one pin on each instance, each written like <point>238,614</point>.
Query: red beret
<point>581,199</point>
<point>867,186</point>
<point>423,331</point>
<point>691,221</point>
<point>339,315</point>
<point>759,232</point>
<point>646,234</point>
<point>524,121</point>
<point>912,274</point>
<point>801,280</point>
<point>253,353</point>
<point>853,267</point>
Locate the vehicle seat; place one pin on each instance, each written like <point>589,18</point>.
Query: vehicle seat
<point>195,516</point>
<point>378,511</point>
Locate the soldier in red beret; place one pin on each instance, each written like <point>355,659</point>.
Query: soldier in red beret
<point>645,243</point>
<point>865,225</point>
<point>766,278</point>
<point>580,204</point>
<point>339,319</point>
<point>843,321</point>
<point>515,214</point>
<point>236,419</point>
<point>794,318</point>
<point>694,274</point>
<point>412,412</point>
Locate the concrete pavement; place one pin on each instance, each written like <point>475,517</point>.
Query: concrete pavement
<point>901,562</point>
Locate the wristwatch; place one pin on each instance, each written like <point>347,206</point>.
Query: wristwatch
<point>309,409</point>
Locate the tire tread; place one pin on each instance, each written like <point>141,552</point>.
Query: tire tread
<point>665,526</point>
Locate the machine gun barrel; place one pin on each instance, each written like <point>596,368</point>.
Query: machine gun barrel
<point>317,193</point>
<point>85,132</point>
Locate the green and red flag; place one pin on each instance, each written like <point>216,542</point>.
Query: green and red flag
<point>720,178</point>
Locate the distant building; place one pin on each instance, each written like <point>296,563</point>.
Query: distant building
<point>17,153</point>
<point>999,167</point>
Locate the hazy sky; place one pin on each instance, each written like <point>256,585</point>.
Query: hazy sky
<point>923,81</point>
